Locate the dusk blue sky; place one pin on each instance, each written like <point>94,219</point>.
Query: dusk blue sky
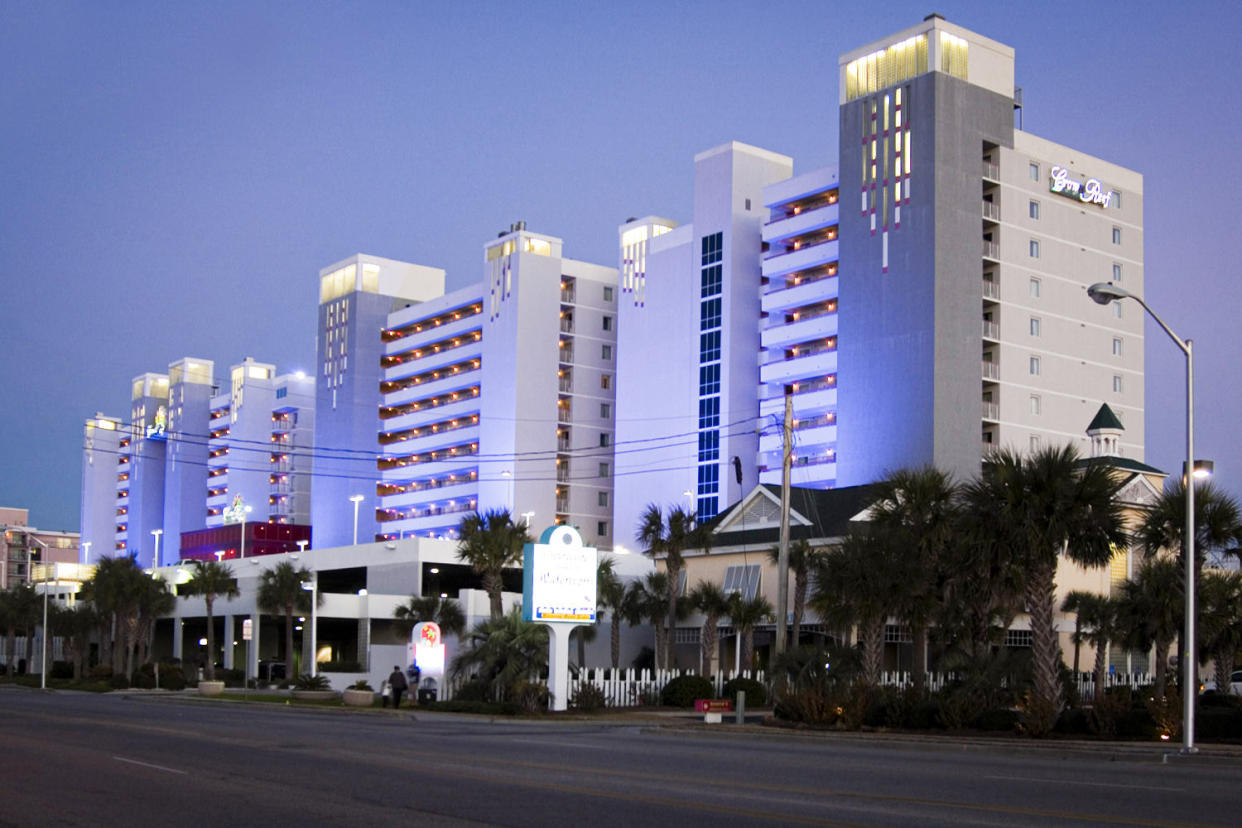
<point>174,175</point>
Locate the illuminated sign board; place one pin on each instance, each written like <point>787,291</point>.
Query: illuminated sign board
<point>558,579</point>
<point>1090,191</point>
<point>426,649</point>
<point>156,430</point>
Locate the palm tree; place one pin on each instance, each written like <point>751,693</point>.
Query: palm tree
<point>1150,612</point>
<point>210,579</point>
<point>19,610</point>
<point>155,599</point>
<point>708,598</point>
<point>611,593</point>
<point>75,624</point>
<point>666,541</point>
<point>1045,505</point>
<point>586,633</point>
<point>117,590</point>
<point>1218,527</point>
<point>1220,605</point>
<point>503,651</point>
<point>745,615</point>
<point>644,604</point>
<point>802,558</point>
<point>489,543</point>
<point>916,511</point>
<point>1096,623</point>
<point>281,591</point>
<point>418,609</point>
<point>856,587</point>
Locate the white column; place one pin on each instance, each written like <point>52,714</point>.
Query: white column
<point>558,665</point>
<point>228,642</point>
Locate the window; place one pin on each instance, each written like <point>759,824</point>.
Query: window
<point>603,469</point>
<point>1034,444</point>
<point>1116,308</point>
<point>1116,273</point>
<point>608,323</point>
<point>1034,171</point>
<point>709,346</point>
<point>1116,199</point>
<point>1118,346</point>
<point>1116,383</point>
<point>1034,285</point>
<point>748,204</point>
<point>1034,366</point>
<point>709,445</point>
<point>601,528</point>
<point>713,248</point>
<point>1034,249</point>
<point>605,381</point>
<point>605,353</point>
<point>709,412</point>
<point>605,439</point>
<point>709,314</point>
<point>605,411</point>
<point>709,479</point>
<point>1116,235</point>
<point>1035,326</point>
<point>1036,404</point>
<point>709,379</point>
<point>1034,209</point>
<point>710,281</point>
<point>607,293</point>
<point>602,498</point>
<point>743,580</point>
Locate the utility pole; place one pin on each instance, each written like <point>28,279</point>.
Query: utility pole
<point>782,566</point>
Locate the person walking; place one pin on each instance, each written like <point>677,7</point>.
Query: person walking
<point>398,685</point>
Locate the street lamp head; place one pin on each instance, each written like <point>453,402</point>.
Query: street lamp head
<point>1105,292</point>
<point>1202,469</point>
<point>357,498</point>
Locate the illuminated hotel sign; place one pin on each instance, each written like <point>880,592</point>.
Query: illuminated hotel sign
<point>156,430</point>
<point>1090,191</point>
<point>558,576</point>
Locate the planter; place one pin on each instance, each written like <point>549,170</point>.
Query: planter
<point>210,688</point>
<point>359,698</point>
<point>314,695</point>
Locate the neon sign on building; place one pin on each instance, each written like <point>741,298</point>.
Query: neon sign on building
<point>1090,191</point>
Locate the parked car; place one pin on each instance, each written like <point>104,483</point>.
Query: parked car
<point>1235,684</point>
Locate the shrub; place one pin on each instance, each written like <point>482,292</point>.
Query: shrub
<point>924,715</point>
<point>756,693</point>
<point>340,667</point>
<point>362,684</point>
<point>172,677</point>
<point>683,690</point>
<point>61,670</point>
<point>308,682</point>
<point>475,690</point>
<point>1074,721</point>
<point>232,678</point>
<point>1218,722</point>
<point>100,671</point>
<point>488,708</point>
<point>119,681</point>
<point>529,696</point>
<point>588,698</point>
<point>1001,719</point>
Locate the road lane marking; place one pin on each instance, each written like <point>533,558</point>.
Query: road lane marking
<point>148,765</point>
<point>1090,784</point>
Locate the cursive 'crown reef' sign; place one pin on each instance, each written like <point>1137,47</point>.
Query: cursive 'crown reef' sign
<point>1090,191</point>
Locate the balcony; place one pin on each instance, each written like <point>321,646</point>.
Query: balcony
<point>991,211</point>
<point>991,371</point>
<point>804,259</point>
<point>568,295</point>
<point>991,411</point>
<point>432,335</point>
<point>991,290</point>
<point>566,355</point>
<point>991,330</point>
<point>806,293</point>
<point>991,171</point>
<point>803,330</point>
<point>567,325</point>
<point>809,366</point>
<point>565,385</point>
<point>991,250</point>
<point>807,221</point>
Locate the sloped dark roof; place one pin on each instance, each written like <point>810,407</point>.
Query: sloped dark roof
<point>828,510</point>
<point>1105,418</point>
<point>1122,463</point>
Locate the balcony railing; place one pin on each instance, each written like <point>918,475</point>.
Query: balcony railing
<point>991,210</point>
<point>562,473</point>
<point>991,171</point>
<point>991,370</point>
<point>567,326</point>
<point>563,414</point>
<point>567,354</point>
<point>562,505</point>
<point>991,290</point>
<point>991,330</point>
<point>991,411</point>
<point>991,250</point>
<point>567,294</point>
<point>566,384</point>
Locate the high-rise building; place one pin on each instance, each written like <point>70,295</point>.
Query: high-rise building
<point>502,395</point>
<point>966,248</point>
<point>355,297</point>
<point>140,466</point>
<point>102,485</point>
<point>23,547</point>
<point>944,260</point>
<point>191,385</point>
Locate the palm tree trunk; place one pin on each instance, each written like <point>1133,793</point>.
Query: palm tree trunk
<point>616,641</point>
<point>1162,661</point>
<point>710,640</point>
<point>580,632</point>
<point>672,618</point>
<point>799,607</point>
<point>918,632</point>
<point>1045,653</point>
<point>1101,669</point>
<point>1077,640</point>
<point>660,649</point>
<point>872,635</point>
<point>493,585</point>
<point>748,649</point>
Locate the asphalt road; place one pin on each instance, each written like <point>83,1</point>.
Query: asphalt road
<point>81,759</point>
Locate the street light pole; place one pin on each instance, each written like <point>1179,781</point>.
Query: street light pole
<point>1103,293</point>
<point>356,500</point>
<point>86,547</point>
<point>313,588</point>
<point>245,512</point>
<point>157,533</point>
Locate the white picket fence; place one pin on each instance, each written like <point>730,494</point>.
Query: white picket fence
<point>628,687</point>
<point>1086,681</point>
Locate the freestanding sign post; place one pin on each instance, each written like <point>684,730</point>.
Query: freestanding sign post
<point>558,591</point>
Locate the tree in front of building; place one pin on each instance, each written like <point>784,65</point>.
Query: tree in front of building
<point>1220,623</point>
<point>611,592</point>
<point>490,543</point>
<point>211,579</point>
<point>281,593</point>
<point>708,598</point>
<point>665,540</point>
<point>1095,624</point>
<point>746,614</point>
<point>419,609</point>
<point>1150,612</point>
<point>19,612</point>
<point>802,558</point>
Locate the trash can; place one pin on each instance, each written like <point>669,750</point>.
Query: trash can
<point>426,695</point>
